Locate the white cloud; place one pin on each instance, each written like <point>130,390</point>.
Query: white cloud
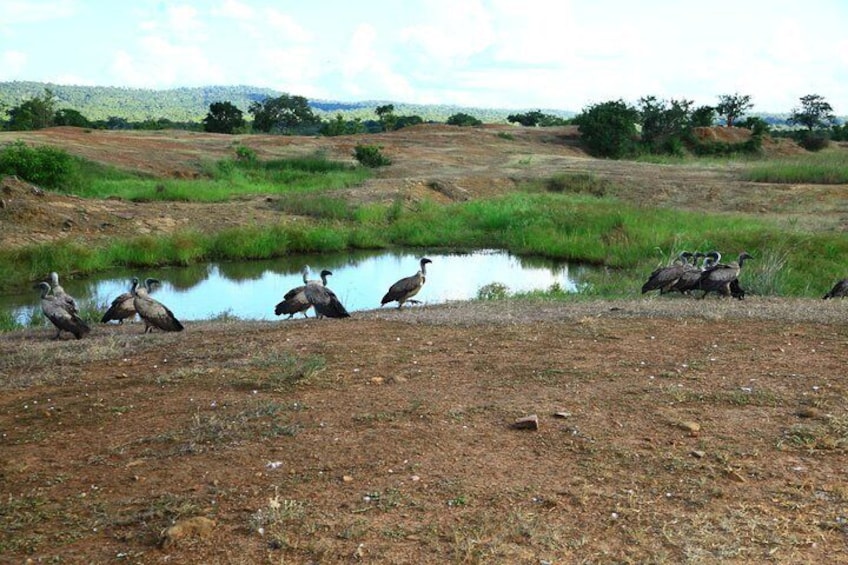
<point>162,63</point>
<point>19,12</point>
<point>235,10</point>
<point>285,28</point>
<point>12,63</point>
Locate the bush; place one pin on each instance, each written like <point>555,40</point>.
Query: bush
<point>44,166</point>
<point>371,156</point>
<point>813,141</point>
<point>463,119</point>
<point>609,129</point>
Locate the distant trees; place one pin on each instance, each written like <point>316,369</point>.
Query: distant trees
<point>340,126</point>
<point>38,112</point>
<point>664,124</point>
<point>386,116</point>
<point>536,118</point>
<point>733,106</point>
<point>70,117</point>
<point>463,119</point>
<point>815,112</point>
<point>223,117</point>
<point>285,114</point>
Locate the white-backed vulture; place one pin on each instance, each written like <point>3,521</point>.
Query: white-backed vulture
<point>407,287</point>
<point>152,312</point>
<point>324,300</point>
<point>664,278</point>
<point>122,307</point>
<point>295,301</point>
<point>722,278</point>
<point>55,310</point>
<point>64,297</point>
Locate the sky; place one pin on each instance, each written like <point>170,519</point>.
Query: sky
<point>505,54</point>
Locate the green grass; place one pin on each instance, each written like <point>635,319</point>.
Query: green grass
<point>824,167</point>
<point>224,180</point>
<point>630,241</point>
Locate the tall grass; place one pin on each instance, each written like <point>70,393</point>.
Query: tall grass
<point>824,167</point>
<point>225,180</point>
<point>629,240</point>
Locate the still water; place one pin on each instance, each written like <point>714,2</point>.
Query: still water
<point>250,289</point>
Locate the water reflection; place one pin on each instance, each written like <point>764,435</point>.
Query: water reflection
<point>250,289</point>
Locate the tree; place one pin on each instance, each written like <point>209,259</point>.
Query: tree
<point>463,119</point>
<point>702,116</point>
<point>733,106</point>
<point>814,113</point>
<point>386,115</point>
<point>609,129</point>
<point>223,117</point>
<point>69,117</point>
<point>664,123</point>
<point>36,113</point>
<point>285,113</point>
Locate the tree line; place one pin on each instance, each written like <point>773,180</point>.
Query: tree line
<point>613,129</point>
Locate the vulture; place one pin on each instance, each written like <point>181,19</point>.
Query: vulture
<point>722,278</point>
<point>324,300</point>
<point>61,295</point>
<point>407,287</point>
<point>295,301</point>
<point>691,274</point>
<point>55,309</point>
<point>839,290</point>
<point>664,278</point>
<point>152,312</point>
<point>122,307</point>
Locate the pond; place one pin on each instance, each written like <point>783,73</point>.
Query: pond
<point>249,290</point>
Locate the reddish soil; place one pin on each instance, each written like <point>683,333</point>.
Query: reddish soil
<point>669,430</point>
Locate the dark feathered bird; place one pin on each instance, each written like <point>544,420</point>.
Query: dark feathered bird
<point>839,290</point>
<point>66,299</point>
<point>407,287</point>
<point>690,276</point>
<point>122,307</point>
<point>295,301</point>
<point>152,312</point>
<point>55,310</point>
<point>664,278</point>
<point>324,300</point>
<point>722,278</point>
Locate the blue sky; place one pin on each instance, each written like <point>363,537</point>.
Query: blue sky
<point>562,54</point>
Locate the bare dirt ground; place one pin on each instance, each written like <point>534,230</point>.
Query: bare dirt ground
<point>669,430</point>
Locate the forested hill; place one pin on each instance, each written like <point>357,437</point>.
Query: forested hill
<point>192,104</point>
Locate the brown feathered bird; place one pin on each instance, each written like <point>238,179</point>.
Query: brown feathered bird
<point>295,301</point>
<point>152,312</point>
<point>407,287</point>
<point>324,300</point>
<point>839,290</point>
<point>664,278</point>
<point>55,309</point>
<point>61,295</point>
<point>722,278</point>
<point>122,307</point>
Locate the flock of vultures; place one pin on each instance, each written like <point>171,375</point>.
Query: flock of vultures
<point>690,272</point>
<point>61,308</point>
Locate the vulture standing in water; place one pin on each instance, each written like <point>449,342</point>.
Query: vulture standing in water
<point>295,301</point>
<point>154,313</point>
<point>722,278</point>
<point>403,290</point>
<point>324,300</point>
<point>664,278</point>
<point>839,290</point>
<point>61,295</point>
<point>55,309</point>
<point>122,307</point>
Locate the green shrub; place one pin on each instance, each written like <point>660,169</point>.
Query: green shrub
<point>371,156</point>
<point>44,166</point>
<point>463,119</point>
